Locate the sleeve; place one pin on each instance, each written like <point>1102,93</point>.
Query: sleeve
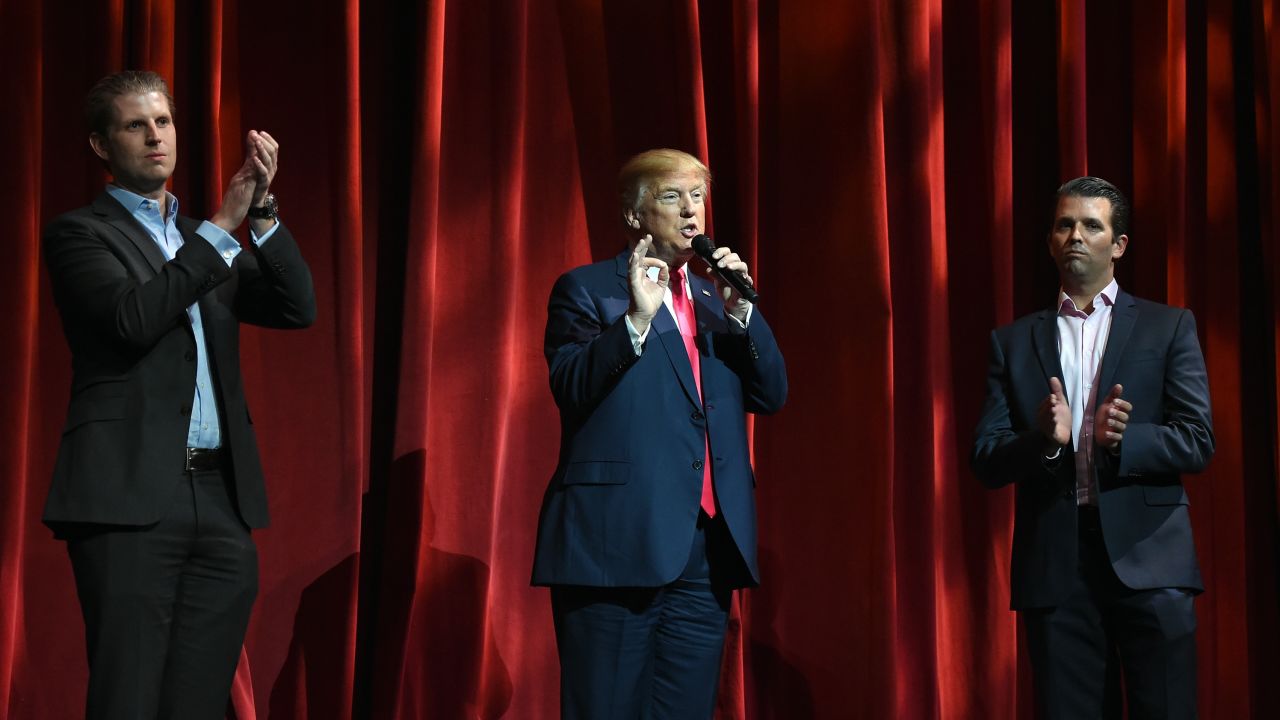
<point>586,353</point>
<point>1182,442</point>
<point>763,371</point>
<point>93,288</point>
<point>275,288</point>
<point>1003,454</point>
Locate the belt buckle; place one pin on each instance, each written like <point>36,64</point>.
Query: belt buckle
<point>187,465</point>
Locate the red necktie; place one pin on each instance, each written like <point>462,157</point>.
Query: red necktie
<point>684,317</point>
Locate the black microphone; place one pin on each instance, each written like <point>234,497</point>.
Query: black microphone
<point>704,246</point>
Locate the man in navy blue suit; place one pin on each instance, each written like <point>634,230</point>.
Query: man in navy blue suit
<point>1095,408</point>
<point>648,524</point>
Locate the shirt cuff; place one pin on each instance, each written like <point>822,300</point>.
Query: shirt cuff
<point>637,337</point>
<point>260,240</point>
<point>737,324</point>
<point>221,241</point>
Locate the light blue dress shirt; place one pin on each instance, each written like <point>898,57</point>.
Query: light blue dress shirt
<point>204,431</point>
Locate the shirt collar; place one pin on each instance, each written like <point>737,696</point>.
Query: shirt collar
<point>134,202</point>
<point>1066,306</point>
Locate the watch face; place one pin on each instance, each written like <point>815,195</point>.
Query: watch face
<point>268,209</point>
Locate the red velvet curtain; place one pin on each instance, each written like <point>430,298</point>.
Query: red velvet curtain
<point>886,167</point>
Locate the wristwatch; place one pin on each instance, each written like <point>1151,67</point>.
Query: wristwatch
<point>269,210</point>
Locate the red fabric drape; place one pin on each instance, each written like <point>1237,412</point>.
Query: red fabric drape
<point>885,166</point>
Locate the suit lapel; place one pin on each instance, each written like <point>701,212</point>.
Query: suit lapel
<point>114,214</point>
<point>669,333</point>
<point>1044,335</point>
<point>1123,316</point>
<point>706,306</point>
<point>621,262</point>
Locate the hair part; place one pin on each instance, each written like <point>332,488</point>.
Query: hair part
<point>638,173</point>
<point>1093,187</point>
<point>100,103</point>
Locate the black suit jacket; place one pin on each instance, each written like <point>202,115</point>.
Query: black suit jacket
<point>133,355</point>
<point>1154,353</point>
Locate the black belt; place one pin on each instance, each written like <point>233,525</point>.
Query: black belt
<point>199,459</point>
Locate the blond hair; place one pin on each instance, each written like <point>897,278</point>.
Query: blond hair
<point>643,169</point>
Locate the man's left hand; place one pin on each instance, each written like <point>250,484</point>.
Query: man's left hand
<point>1111,419</point>
<point>734,304</point>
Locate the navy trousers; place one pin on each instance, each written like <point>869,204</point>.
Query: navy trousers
<point>1105,635</point>
<point>166,606</point>
<point>628,653</point>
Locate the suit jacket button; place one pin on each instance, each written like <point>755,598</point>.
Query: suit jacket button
<point>697,464</point>
<point>697,416</point>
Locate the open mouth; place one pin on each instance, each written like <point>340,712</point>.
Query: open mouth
<point>689,231</point>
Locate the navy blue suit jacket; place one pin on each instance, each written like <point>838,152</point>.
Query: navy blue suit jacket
<point>621,508</point>
<point>1154,353</point>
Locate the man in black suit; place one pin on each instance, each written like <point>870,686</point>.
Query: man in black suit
<point>1095,407</point>
<point>157,481</point>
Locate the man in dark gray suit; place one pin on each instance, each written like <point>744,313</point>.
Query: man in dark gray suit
<point>157,481</point>
<point>1095,408</point>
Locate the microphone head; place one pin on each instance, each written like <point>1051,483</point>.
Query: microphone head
<point>703,245</point>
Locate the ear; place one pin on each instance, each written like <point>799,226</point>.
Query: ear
<point>630,218</point>
<point>1118,247</point>
<point>99,145</point>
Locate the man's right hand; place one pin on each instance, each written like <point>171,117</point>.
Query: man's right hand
<point>646,294</point>
<point>1054,418</point>
<point>249,185</point>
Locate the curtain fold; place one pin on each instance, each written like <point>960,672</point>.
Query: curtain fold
<point>20,50</point>
<point>885,167</point>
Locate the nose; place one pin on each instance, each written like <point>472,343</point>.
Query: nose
<point>153,134</point>
<point>686,206</point>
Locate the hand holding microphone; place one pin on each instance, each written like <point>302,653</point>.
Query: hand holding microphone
<point>728,266</point>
